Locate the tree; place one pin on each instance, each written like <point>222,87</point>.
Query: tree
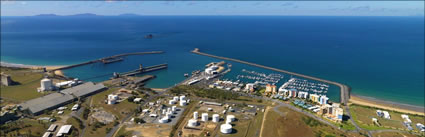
<point>86,113</point>
<point>139,120</point>
<point>130,99</point>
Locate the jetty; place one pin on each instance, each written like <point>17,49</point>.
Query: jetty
<point>144,70</point>
<point>345,90</point>
<point>106,60</point>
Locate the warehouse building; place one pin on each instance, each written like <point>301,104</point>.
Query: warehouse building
<point>55,100</point>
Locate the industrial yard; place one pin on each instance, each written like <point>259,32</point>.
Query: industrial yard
<point>221,119</point>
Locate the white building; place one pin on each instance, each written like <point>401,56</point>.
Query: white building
<point>406,118</point>
<point>64,130</point>
<point>137,100</point>
<point>323,100</point>
<point>386,115</point>
<point>249,87</point>
<point>75,107</point>
<point>211,70</point>
<point>420,127</point>
<point>112,99</point>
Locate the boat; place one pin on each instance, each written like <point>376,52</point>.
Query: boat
<point>149,36</point>
<point>186,75</point>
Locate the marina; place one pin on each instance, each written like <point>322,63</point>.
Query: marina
<point>344,89</point>
<point>304,85</point>
<point>261,78</point>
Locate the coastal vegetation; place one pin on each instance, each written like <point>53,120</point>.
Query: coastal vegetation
<point>204,92</point>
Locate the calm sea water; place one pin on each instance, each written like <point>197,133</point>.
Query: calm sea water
<point>381,57</point>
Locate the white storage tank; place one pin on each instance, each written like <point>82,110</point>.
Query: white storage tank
<point>192,123</point>
<point>226,128</point>
<point>168,116</point>
<point>195,115</point>
<point>204,117</point>
<point>183,103</point>
<point>46,84</point>
<point>228,121</point>
<point>230,118</point>
<point>172,102</point>
<point>215,118</point>
<point>176,98</point>
<point>183,97</point>
<point>163,120</point>
<point>173,108</point>
<point>231,109</point>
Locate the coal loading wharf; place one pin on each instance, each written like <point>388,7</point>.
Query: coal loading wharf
<point>109,59</point>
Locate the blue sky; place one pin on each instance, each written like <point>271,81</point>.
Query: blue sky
<point>292,8</point>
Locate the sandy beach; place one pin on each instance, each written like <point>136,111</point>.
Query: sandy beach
<point>369,101</point>
<point>6,64</point>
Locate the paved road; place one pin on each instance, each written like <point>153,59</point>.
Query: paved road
<point>77,115</point>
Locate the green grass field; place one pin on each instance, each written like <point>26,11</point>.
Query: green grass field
<point>26,87</point>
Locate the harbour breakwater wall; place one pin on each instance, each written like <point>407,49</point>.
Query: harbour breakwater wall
<point>344,89</point>
<point>106,58</point>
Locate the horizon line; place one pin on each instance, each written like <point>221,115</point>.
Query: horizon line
<point>135,15</point>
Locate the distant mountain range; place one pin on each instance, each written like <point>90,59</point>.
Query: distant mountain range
<point>84,15</point>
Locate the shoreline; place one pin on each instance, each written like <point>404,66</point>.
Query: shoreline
<point>16,65</point>
<point>389,105</point>
<point>355,99</point>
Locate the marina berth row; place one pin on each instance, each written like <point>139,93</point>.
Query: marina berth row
<point>344,89</point>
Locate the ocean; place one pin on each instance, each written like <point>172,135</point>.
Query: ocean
<point>379,57</point>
